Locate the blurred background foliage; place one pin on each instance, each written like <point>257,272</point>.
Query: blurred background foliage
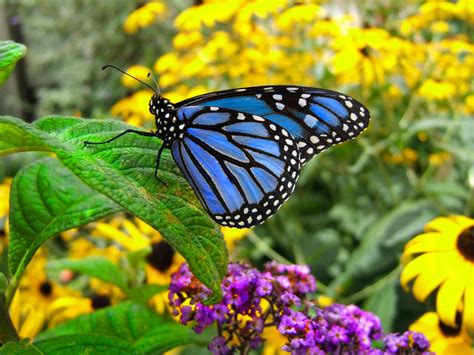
<point>411,63</point>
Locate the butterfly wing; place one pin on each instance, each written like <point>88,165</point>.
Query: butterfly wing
<point>316,118</point>
<point>241,166</point>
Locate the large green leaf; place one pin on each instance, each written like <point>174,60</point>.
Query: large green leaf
<point>133,323</point>
<point>46,199</point>
<point>383,303</point>
<point>72,344</point>
<point>10,53</point>
<point>382,242</point>
<point>95,266</point>
<point>123,171</point>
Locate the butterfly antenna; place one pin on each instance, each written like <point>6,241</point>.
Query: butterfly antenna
<point>154,80</point>
<point>124,72</point>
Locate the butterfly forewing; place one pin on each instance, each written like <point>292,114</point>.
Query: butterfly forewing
<point>241,166</point>
<point>316,118</point>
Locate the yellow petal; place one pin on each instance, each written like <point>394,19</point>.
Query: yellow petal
<point>433,275</point>
<point>428,324</point>
<point>463,222</point>
<point>451,292</point>
<point>33,323</point>
<point>417,266</point>
<point>442,224</point>
<point>468,314</point>
<point>140,240</point>
<point>429,242</point>
<point>109,232</point>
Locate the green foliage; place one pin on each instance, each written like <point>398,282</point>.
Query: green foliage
<point>95,266</point>
<point>108,272</point>
<point>47,199</point>
<point>122,171</point>
<point>132,323</point>
<point>10,53</point>
<point>72,344</point>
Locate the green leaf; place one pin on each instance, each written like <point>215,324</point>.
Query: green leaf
<point>20,347</point>
<point>46,199</point>
<point>10,53</point>
<point>123,171</point>
<point>169,336</point>
<point>383,303</point>
<point>95,266</point>
<point>382,242</point>
<point>127,321</point>
<point>73,344</point>
<point>143,293</point>
<point>133,323</point>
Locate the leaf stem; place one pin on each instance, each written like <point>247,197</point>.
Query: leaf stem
<point>10,291</point>
<point>7,329</point>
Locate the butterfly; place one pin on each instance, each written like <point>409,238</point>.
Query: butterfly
<point>242,150</point>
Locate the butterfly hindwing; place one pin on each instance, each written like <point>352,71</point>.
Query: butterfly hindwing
<point>316,118</point>
<point>241,166</point>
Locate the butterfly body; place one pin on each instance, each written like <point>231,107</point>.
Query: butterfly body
<point>241,150</point>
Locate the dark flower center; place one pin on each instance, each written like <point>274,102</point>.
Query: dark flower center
<point>451,331</point>
<point>161,256</point>
<point>100,301</point>
<point>365,51</point>
<point>46,288</point>
<point>465,243</point>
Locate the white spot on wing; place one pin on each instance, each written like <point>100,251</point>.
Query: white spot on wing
<point>280,106</point>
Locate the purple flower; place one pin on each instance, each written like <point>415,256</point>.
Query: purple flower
<point>278,296</point>
<point>408,342</point>
<point>218,346</point>
<point>292,322</point>
<point>338,335</point>
<point>186,314</point>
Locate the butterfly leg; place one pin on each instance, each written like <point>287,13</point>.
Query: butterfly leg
<point>158,158</point>
<point>141,133</point>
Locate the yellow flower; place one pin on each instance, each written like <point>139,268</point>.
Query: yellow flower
<point>208,14</point>
<point>437,90</point>
<point>36,292</point>
<point>144,16</point>
<point>358,56</point>
<point>233,235</point>
<point>469,104</point>
<point>407,156</point>
<point>444,340</point>
<point>5,196</point>
<point>299,15</point>
<point>440,27</point>
<point>138,71</point>
<point>69,307</point>
<point>136,235</point>
<point>325,301</point>
<point>134,108</point>
<point>443,259</point>
<point>439,158</point>
<point>274,341</point>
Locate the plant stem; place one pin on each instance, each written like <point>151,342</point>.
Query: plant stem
<point>10,291</point>
<point>7,329</point>
<point>266,249</point>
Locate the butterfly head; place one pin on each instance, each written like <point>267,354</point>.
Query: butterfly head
<point>160,106</point>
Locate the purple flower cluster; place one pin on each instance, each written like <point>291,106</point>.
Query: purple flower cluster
<point>406,343</point>
<point>278,297</point>
<point>336,328</point>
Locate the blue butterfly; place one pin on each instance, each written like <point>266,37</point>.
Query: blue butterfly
<point>241,150</point>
